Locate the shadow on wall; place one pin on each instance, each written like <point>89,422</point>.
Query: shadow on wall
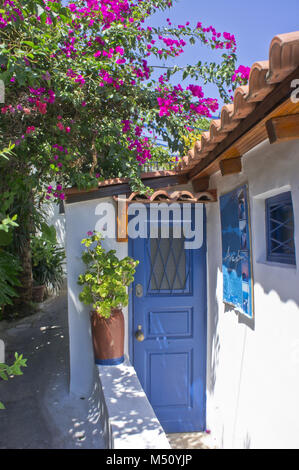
<point>247,442</point>
<point>213,340</point>
<point>242,319</point>
<point>276,295</point>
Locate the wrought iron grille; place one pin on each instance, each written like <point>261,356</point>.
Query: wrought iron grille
<point>280,229</point>
<point>169,265</point>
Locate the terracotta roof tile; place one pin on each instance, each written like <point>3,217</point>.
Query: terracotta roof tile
<point>283,56</point>
<point>264,75</point>
<point>258,87</point>
<point>241,106</point>
<point>173,196</point>
<point>217,133</point>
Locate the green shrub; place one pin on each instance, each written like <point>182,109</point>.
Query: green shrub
<point>10,371</point>
<point>47,259</point>
<point>106,277</point>
<point>10,268</point>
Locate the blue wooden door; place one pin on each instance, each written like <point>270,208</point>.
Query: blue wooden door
<point>169,308</point>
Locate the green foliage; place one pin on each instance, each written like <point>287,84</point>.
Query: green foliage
<point>32,55</point>
<point>9,277</point>
<point>9,264</point>
<point>106,277</point>
<point>5,230</point>
<point>66,102</point>
<point>10,371</point>
<point>47,259</point>
<point>6,152</point>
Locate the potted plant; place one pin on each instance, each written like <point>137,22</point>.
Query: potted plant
<point>105,283</point>
<point>47,263</point>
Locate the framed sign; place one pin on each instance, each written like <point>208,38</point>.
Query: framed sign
<point>236,251</point>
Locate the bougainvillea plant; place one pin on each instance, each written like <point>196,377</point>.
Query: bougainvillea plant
<point>80,98</point>
<point>83,100</point>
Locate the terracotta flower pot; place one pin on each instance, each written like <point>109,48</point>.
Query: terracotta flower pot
<point>108,338</point>
<point>38,293</point>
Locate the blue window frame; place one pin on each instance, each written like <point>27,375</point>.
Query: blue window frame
<point>280,229</point>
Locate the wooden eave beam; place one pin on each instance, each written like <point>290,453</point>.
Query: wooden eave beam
<point>283,128</point>
<point>201,184</point>
<point>280,94</point>
<point>230,166</point>
<point>124,188</point>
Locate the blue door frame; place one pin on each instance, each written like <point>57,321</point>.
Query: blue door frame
<point>171,361</point>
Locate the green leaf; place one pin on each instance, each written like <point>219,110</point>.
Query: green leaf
<point>5,238</point>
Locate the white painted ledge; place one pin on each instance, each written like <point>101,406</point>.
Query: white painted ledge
<point>132,423</point>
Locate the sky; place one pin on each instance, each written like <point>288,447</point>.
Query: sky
<point>254,23</point>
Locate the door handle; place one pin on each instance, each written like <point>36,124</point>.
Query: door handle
<point>139,335</point>
<point>139,290</point>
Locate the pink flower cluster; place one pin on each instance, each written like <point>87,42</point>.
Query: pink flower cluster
<point>110,10</point>
<point>243,72</point>
<point>112,51</point>
<point>229,41</point>
<point>141,148</point>
<point>40,98</point>
<point>104,14</point>
<point>204,107</point>
<point>11,14</point>
<point>30,129</point>
<point>76,76</point>
<point>140,145</point>
<point>56,193</point>
<point>107,79</point>
<point>196,90</point>
<point>168,104</point>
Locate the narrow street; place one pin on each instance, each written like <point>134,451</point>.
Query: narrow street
<point>40,413</point>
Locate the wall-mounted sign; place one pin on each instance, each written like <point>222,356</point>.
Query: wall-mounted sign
<point>236,251</point>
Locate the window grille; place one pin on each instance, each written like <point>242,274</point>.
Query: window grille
<point>280,229</point>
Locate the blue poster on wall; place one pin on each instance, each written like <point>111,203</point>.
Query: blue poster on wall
<point>236,251</point>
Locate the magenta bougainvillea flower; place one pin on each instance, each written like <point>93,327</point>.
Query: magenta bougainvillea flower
<point>90,102</point>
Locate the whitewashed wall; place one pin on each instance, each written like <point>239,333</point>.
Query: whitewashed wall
<point>53,217</point>
<point>82,217</point>
<point>253,366</point>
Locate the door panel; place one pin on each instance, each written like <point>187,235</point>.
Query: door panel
<point>170,308</point>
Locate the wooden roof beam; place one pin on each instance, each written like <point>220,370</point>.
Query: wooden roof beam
<point>283,129</point>
<point>201,184</point>
<point>230,166</point>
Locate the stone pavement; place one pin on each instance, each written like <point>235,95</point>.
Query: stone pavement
<point>191,440</point>
<point>40,413</point>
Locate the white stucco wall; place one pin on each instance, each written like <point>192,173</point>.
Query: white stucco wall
<point>253,366</point>
<point>58,220</point>
<point>82,217</point>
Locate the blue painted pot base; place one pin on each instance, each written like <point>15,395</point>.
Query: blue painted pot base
<point>110,362</point>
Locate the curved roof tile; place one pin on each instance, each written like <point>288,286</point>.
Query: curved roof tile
<point>175,196</point>
<point>283,60</point>
<point>283,56</point>
<point>258,87</point>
